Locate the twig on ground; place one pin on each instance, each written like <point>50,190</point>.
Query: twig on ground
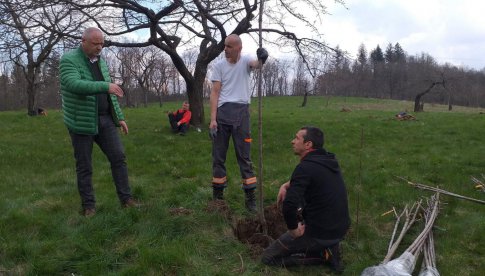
<point>388,212</point>
<point>441,191</point>
<point>410,219</point>
<point>432,210</point>
<point>479,184</point>
<point>428,266</point>
<point>241,269</point>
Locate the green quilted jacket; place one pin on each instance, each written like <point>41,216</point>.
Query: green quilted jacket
<point>79,90</point>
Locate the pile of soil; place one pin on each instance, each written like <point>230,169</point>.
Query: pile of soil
<point>249,230</point>
<point>403,116</point>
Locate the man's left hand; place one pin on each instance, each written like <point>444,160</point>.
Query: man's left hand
<point>124,127</point>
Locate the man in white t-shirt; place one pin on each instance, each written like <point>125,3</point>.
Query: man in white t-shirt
<point>229,103</point>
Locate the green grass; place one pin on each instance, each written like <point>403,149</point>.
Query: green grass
<point>42,233</point>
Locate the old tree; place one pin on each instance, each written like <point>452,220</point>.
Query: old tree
<point>28,38</point>
<point>177,26</point>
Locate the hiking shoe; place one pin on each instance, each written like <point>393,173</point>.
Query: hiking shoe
<point>250,200</point>
<point>217,194</point>
<point>333,256</point>
<point>131,203</point>
<point>89,212</point>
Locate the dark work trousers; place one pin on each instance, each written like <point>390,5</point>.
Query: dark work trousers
<point>304,250</point>
<point>109,141</point>
<point>241,138</point>
<point>173,123</point>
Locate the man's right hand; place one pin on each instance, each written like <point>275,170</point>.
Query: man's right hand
<point>116,90</point>
<point>212,133</point>
<point>213,124</point>
<point>282,193</point>
<point>213,129</point>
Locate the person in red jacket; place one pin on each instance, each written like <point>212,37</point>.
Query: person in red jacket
<point>180,119</point>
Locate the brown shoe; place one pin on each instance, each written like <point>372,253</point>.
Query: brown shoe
<point>89,212</point>
<point>131,203</point>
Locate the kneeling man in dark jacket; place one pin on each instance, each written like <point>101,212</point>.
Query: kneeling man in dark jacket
<point>314,205</point>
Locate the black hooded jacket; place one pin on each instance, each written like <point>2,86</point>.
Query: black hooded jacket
<point>317,186</point>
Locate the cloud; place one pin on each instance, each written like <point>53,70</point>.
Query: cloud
<point>447,30</point>
<point>450,31</point>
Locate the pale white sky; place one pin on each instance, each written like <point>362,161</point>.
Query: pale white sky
<point>451,31</point>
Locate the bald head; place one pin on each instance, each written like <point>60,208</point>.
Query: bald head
<point>232,47</point>
<point>89,32</point>
<point>92,42</point>
<point>235,39</point>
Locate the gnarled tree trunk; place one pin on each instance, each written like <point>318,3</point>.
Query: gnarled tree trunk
<point>418,104</point>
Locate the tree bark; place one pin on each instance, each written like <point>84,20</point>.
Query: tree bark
<point>32,77</point>
<point>418,105</point>
<point>303,104</point>
<point>195,94</point>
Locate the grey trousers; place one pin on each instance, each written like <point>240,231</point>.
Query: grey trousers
<point>109,141</point>
<point>233,121</point>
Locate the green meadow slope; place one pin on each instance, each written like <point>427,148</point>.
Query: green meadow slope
<point>42,233</point>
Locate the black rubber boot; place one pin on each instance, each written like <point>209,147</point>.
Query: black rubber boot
<point>250,200</point>
<point>217,194</point>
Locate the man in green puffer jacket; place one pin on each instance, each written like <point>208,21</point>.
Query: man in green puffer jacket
<point>92,114</point>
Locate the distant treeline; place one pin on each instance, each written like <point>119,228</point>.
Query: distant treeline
<point>389,74</point>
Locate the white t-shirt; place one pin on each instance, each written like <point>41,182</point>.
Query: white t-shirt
<point>234,80</point>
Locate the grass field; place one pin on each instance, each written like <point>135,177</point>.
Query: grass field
<point>42,233</point>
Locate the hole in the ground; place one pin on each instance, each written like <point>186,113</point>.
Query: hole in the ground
<point>249,230</point>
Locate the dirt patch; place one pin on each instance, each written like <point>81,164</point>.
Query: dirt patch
<point>179,211</point>
<point>403,116</point>
<point>275,221</point>
<point>219,207</point>
<point>250,230</point>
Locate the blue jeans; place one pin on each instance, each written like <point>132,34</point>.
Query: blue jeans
<point>109,142</point>
<point>173,123</point>
<point>288,251</point>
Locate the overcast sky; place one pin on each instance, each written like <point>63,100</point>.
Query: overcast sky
<point>449,30</point>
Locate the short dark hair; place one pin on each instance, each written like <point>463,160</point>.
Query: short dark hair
<point>315,135</point>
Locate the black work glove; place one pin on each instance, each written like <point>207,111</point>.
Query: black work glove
<point>262,54</point>
<point>213,133</point>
